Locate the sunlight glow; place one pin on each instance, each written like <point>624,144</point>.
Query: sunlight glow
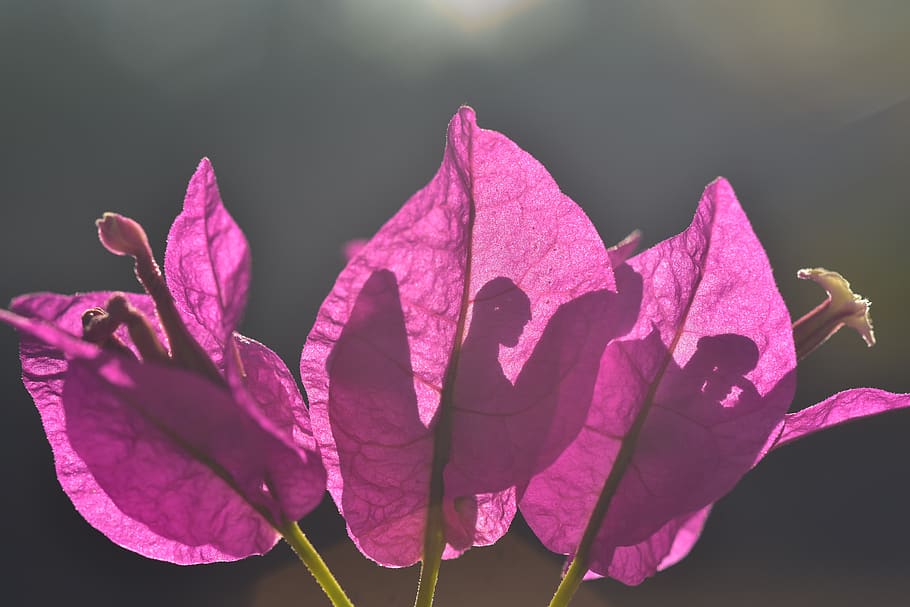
<point>481,14</point>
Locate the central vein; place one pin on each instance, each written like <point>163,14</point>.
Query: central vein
<point>579,565</point>
<point>434,534</point>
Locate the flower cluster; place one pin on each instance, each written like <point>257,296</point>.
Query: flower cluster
<point>173,435</point>
<point>483,354</point>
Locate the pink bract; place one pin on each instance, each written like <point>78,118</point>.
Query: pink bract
<point>686,402</point>
<point>162,460</point>
<point>457,352</point>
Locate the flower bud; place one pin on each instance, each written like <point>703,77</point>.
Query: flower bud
<point>122,236</point>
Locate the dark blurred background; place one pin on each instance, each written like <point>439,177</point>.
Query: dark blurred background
<point>321,118</point>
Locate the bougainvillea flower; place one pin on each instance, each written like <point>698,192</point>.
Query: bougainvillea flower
<point>687,401</point>
<point>172,434</point>
<point>456,354</point>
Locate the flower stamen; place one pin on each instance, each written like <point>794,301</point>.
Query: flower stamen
<point>842,307</point>
<point>124,236</point>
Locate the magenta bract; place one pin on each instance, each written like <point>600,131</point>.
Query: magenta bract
<point>459,348</point>
<point>158,457</point>
<point>685,403</point>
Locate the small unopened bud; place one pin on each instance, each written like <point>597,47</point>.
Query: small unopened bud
<point>122,236</point>
<point>842,307</point>
<point>98,327</point>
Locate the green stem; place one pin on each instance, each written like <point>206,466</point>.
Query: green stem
<point>581,560</point>
<point>432,559</point>
<point>569,584</point>
<point>317,567</point>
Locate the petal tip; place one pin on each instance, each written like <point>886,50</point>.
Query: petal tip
<point>205,165</point>
<point>202,187</point>
<point>467,114</point>
<point>463,123</point>
<point>204,174</point>
<point>720,187</point>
